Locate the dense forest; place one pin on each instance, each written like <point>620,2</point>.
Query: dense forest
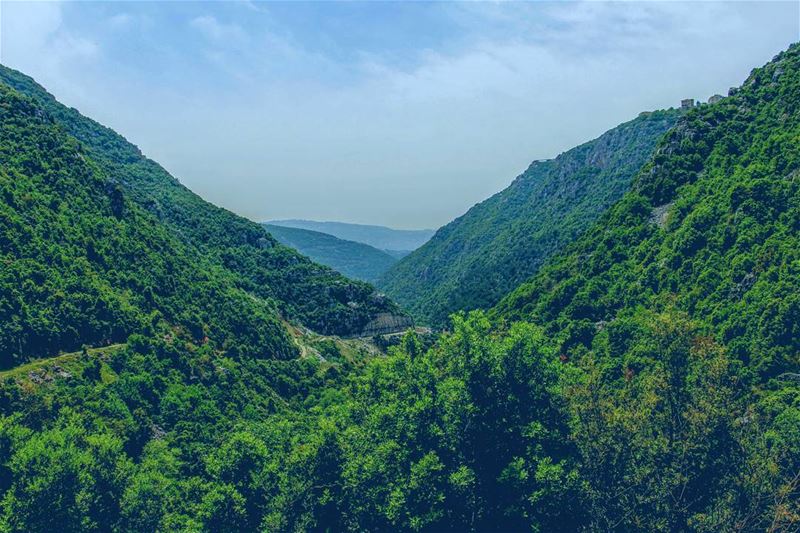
<point>646,378</point>
<point>355,260</point>
<point>478,258</point>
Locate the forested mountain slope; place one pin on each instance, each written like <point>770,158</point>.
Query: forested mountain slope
<point>475,260</point>
<point>710,227</point>
<point>648,379</point>
<point>300,289</point>
<point>82,264</point>
<point>110,438</point>
<point>353,259</point>
<point>677,319</point>
<point>395,241</point>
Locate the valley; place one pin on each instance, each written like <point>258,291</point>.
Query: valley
<point>472,262</point>
<point>608,344</point>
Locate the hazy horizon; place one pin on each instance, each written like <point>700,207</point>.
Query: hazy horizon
<point>277,220</point>
<point>394,114</point>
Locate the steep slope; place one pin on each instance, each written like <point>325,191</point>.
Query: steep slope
<point>82,264</point>
<point>353,259</point>
<point>712,227</point>
<point>315,295</point>
<point>394,241</point>
<point>479,257</point>
<point>186,351</point>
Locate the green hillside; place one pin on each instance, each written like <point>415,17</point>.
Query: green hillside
<point>353,259</point>
<point>178,243</point>
<point>475,260</point>
<point>173,316</point>
<point>679,312</point>
<point>710,228</point>
<point>85,265</point>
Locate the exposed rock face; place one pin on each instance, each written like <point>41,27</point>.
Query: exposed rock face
<point>660,214</point>
<point>386,323</point>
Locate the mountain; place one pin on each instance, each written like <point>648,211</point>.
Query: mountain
<point>475,260</point>
<point>710,227</point>
<point>100,242</point>
<point>646,378</point>
<point>397,242</point>
<point>162,322</point>
<point>680,312</point>
<point>353,259</point>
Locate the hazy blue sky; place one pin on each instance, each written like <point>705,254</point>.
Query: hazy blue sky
<point>403,114</point>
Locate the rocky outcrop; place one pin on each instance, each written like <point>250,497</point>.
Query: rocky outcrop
<point>660,214</point>
<point>385,323</point>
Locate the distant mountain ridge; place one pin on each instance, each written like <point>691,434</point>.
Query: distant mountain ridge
<point>353,259</point>
<point>476,259</point>
<point>380,237</point>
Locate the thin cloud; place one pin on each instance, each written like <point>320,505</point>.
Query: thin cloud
<point>33,38</point>
<point>120,20</point>
<point>219,32</point>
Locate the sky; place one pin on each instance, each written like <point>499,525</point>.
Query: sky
<point>390,113</point>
